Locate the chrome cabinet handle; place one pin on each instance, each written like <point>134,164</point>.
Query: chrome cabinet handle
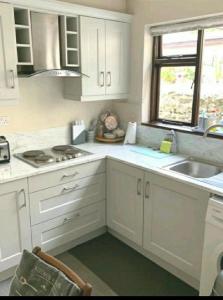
<point>110,79</point>
<point>102,82</point>
<point>67,220</point>
<point>22,191</point>
<point>12,73</point>
<point>147,190</point>
<point>71,175</point>
<point>69,190</point>
<point>139,187</point>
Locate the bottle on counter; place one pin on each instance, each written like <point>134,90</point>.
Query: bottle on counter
<point>203,121</point>
<point>100,130</point>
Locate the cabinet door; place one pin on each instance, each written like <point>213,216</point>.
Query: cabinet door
<point>117,57</point>
<point>174,217</point>
<point>125,200</point>
<point>14,223</point>
<point>8,77</point>
<point>93,56</point>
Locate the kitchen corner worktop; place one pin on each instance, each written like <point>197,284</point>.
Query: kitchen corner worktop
<point>128,154</point>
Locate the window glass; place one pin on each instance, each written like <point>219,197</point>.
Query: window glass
<point>176,93</point>
<point>211,102</point>
<point>180,43</point>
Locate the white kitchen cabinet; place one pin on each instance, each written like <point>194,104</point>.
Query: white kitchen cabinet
<point>58,231</point>
<point>66,204</point>
<point>15,234</point>
<point>125,200</point>
<point>93,56</point>
<point>62,199</point>
<point>117,58</point>
<point>8,59</point>
<point>62,176</point>
<point>174,215</point>
<point>104,59</point>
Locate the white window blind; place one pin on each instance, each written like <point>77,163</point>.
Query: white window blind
<point>187,25</point>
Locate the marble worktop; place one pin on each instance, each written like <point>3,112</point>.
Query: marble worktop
<point>18,169</point>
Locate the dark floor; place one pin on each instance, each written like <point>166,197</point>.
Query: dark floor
<point>127,272</point>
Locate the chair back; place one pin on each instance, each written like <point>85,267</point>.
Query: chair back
<point>84,286</point>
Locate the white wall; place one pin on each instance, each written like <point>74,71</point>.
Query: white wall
<point>148,12</point>
<point>42,105</point>
<point>115,5</point>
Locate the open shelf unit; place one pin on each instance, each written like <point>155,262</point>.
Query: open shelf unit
<point>23,36</point>
<point>69,29</point>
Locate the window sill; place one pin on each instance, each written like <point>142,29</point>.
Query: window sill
<point>184,129</point>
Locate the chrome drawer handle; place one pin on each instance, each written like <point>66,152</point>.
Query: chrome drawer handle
<point>71,175</point>
<point>69,190</point>
<point>12,73</point>
<point>110,79</point>
<point>147,190</point>
<point>139,187</point>
<point>102,82</point>
<point>68,220</point>
<point>22,191</point>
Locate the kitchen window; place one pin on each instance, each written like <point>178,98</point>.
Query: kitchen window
<point>187,77</point>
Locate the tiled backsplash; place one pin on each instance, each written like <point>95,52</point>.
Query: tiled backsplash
<point>20,142</point>
<point>208,149</point>
<point>192,145</point>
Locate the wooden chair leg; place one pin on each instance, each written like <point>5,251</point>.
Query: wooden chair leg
<point>84,286</point>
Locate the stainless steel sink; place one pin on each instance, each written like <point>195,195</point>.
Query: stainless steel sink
<point>195,169</point>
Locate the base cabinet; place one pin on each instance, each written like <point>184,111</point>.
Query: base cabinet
<point>14,223</point>
<point>67,204</point>
<point>125,200</point>
<point>174,215</point>
<point>59,231</point>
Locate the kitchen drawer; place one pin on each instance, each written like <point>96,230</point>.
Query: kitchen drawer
<point>55,178</point>
<point>69,227</point>
<point>56,201</point>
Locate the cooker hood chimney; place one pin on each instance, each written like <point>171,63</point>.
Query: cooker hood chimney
<point>46,47</point>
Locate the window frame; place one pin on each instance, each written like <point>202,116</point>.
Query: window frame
<point>159,61</point>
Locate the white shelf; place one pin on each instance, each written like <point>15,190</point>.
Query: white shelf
<point>70,41</point>
<point>17,26</point>
<point>73,66</point>
<point>23,36</point>
<point>73,49</point>
<point>72,32</point>
<point>22,46</point>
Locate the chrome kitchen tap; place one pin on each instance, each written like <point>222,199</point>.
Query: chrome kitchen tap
<point>211,127</point>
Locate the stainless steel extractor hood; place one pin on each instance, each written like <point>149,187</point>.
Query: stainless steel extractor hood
<point>46,47</point>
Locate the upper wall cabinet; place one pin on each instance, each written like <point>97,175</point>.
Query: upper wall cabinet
<point>23,37</point>
<point>104,59</point>
<point>8,71</point>
<point>69,34</point>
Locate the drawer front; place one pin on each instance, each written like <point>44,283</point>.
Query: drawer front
<point>67,228</point>
<point>56,201</point>
<point>51,179</point>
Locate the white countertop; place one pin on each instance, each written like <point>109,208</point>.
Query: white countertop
<point>18,169</point>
